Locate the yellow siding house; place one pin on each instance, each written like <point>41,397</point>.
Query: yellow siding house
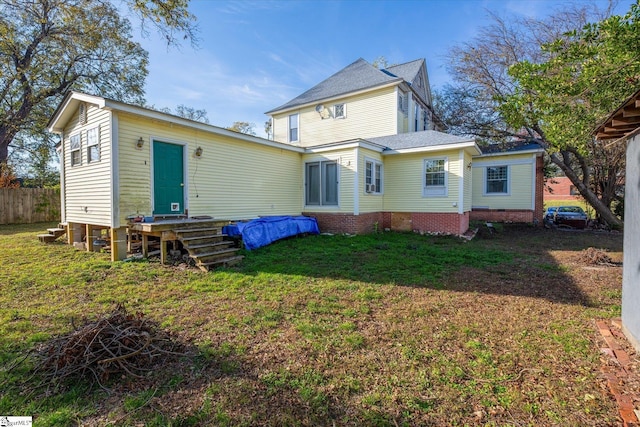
<point>360,151</point>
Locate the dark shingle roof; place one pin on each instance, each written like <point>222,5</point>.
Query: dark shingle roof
<point>408,71</point>
<point>510,147</point>
<point>427,138</point>
<point>357,76</point>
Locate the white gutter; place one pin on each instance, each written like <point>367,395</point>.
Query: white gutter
<point>461,183</point>
<point>470,144</point>
<point>533,180</point>
<point>356,182</point>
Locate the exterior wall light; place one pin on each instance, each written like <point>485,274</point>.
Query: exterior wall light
<point>198,152</point>
<point>139,143</point>
<point>469,166</point>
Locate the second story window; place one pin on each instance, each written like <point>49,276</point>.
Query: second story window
<point>293,127</point>
<point>76,150</point>
<point>425,120</point>
<point>93,145</point>
<point>339,111</point>
<point>403,102</point>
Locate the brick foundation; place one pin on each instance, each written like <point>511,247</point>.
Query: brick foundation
<point>503,215</point>
<point>451,223</point>
<point>347,223</point>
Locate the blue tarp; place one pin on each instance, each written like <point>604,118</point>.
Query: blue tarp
<point>263,231</point>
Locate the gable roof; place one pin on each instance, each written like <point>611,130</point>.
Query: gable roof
<point>359,75</point>
<point>423,141</point>
<point>408,71</point>
<point>70,103</point>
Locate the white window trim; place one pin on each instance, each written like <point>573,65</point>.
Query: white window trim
<point>79,149</point>
<point>96,143</point>
<point>344,111</point>
<point>403,103</point>
<point>289,128</point>
<point>373,162</point>
<point>320,160</point>
<point>484,180</point>
<point>439,191</point>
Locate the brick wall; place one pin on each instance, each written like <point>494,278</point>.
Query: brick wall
<point>559,188</point>
<point>451,223</point>
<point>347,223</point>
<point>503,215</point>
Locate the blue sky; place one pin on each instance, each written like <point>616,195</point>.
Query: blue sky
<point>256,55</point>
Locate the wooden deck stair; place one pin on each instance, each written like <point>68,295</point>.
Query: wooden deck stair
<point>208,247</point>
<point>52,234</point>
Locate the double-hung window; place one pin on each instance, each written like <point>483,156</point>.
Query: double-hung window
<point>93,145</point>
<point>321,180</point>
<point>293,127</point>
<point>497,180</point>
<point>403,103</point>
<point>373,177</point>
<point>76,149</point>
<point>435,177</point>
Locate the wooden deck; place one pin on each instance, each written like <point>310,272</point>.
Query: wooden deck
<point>202,238</point>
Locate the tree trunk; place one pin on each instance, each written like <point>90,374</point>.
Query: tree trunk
<point>589,195</point>
<point>6,136</point>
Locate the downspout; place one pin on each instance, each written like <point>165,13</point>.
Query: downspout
<point>461,184</point>
<point>63,196</point>
<point>533,189</point>
<point>356,182</point>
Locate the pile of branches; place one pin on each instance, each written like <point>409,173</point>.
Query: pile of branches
<point>593,256</point>
<point>117,345</point>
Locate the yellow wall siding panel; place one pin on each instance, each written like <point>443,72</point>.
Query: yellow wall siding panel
<point>369,202</point>
<point>520,183</point>
<point>368,115</point>
<point>347,168</point>
<point>134,175</point>
<point>233,179</point>
<point>88,185</point>
<point>404,183</point>
<point>468,182</point>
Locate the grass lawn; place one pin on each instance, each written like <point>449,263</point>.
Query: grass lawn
<point>381,330</point>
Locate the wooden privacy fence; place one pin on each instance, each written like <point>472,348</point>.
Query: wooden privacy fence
<point>28,205</point>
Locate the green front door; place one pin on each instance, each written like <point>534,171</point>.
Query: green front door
<point>168,179</point>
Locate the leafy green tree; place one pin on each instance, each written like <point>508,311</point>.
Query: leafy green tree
<point>586,75</point>
<point>50,47</point>
<point>496,76</point>
<point>243,127</point>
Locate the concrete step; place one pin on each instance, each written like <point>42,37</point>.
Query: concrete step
<point>47,238</point>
